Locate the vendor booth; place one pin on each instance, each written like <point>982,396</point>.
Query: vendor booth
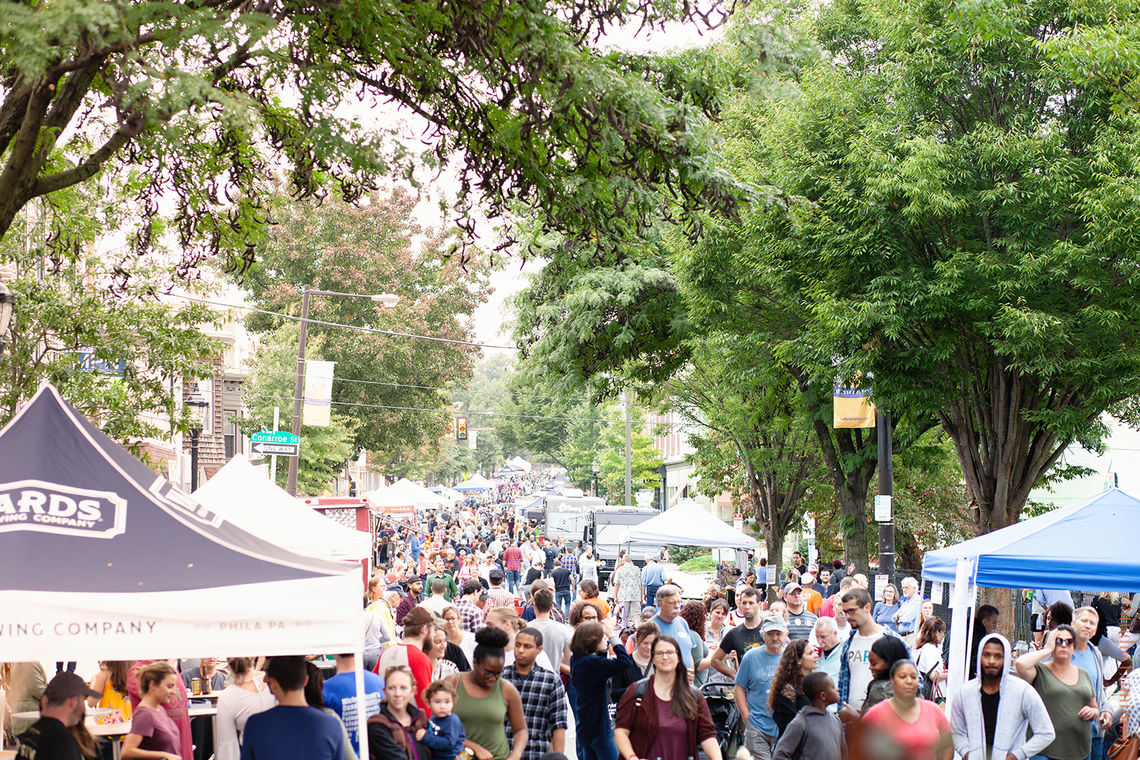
<point>242,494</point>
<point>100,558</point>
<point>689,524</point>
<point>474,483</point>
<point>1090,544</point>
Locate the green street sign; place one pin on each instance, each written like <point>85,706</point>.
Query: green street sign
<point>275,436</point>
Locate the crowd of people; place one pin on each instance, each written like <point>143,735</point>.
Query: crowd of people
<point>489,641</point>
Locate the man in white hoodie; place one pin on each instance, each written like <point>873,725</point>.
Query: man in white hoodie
<point>989,718</point>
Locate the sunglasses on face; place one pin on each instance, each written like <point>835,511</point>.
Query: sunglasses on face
<point>1066,642</point>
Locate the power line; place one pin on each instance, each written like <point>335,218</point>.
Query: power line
<point>453,412</point>
<point>428,387</point>
<point>358,328</point>
<point>465,413</point>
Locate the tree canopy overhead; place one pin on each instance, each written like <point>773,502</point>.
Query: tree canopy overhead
<point>961,225</point>
<point>210,102</point>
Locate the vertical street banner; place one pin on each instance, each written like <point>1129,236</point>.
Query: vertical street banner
<point>852,407</point>
<point>318,393</point>
<point>461,428</point>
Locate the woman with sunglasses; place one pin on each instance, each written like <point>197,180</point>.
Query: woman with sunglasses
<point>485,701</point>
<point>1067,692</point>
<point>665,718</point>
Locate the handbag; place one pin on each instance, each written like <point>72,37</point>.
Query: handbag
<point>1126,748</point>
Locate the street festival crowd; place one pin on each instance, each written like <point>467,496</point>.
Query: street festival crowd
<point>488,641</point>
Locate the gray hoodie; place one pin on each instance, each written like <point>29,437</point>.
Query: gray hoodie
<point>1019,708</point>
<point>817,735</point>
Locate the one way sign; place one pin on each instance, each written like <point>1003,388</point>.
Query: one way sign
<point>280,449</point>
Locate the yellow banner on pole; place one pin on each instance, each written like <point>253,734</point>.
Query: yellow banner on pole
<point>852,408</point>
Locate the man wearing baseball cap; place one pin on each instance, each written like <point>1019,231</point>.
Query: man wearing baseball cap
<point>63,705</point>
<point>753,680</point>
<point>800,619</point>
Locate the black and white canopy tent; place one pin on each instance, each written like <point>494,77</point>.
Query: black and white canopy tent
<point>100,558</point>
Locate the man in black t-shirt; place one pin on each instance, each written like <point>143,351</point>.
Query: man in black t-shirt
<point>743,637</point>
<point>63,705</point>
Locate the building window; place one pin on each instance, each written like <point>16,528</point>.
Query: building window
<point>233,439</point>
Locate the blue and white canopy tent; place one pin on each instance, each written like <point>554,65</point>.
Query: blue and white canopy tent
<point>1090,542</point>
<point>474,483</point>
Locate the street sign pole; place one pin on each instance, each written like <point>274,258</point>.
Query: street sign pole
<point>273,459</point>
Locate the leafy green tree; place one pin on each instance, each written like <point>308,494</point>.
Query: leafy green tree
<point>645,460</point>
<point>758,443</point>
<point>389,380</point>
<point>115,356</point>
<point>960,225</point>
<point>324,450</point>
<point>201,102</point>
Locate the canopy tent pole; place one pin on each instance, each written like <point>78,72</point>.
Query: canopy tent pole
<point>961,609</point>
<point>361,715</point>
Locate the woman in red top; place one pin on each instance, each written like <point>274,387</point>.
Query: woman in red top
<point>905,726</point>
<point>670,719</point>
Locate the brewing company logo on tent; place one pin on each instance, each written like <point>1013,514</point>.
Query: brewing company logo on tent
<point>53,508</point>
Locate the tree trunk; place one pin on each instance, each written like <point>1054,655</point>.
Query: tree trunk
<point>775,546</point>
<point>851,463</point>
<point>1003,453</point>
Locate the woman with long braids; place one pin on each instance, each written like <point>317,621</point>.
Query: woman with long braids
<point>663,716</point>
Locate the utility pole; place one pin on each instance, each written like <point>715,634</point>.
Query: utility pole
<point>389,300</point>
<point>884,508</point>
<point>298,389</point>
<point>273,457</point>
<point>628,448</point>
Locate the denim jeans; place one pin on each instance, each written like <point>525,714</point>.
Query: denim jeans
<point>601,747</point>
<point>562,601</point>
<point>513,581</point>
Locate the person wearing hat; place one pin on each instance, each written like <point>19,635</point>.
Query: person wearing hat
<point>753,680</point>
<point>63,705</point>
<point>498,595</point>
<point>813,599</point>
<point>800,619</point>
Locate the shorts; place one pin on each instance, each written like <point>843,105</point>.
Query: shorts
<point>759,745</point>
<point>1038,622</point>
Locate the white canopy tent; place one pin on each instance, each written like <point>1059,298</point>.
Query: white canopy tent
<point>240,493</point>
<point>405,493</point>
<point>100,558</point>
<point>689,524</point>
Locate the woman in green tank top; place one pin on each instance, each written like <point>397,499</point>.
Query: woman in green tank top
<point>485,701</point>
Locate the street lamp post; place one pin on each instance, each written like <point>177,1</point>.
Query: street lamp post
<point>198,406</point>
<point>389,300</point>
<point>596,468</point>
<point>7,300</point>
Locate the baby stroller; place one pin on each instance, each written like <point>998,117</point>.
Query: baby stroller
<point>725,716</point>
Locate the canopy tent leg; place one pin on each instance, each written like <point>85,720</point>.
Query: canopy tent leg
<point>361,714</point>
<point>961,609</point>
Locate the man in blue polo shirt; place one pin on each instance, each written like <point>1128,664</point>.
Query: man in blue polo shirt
<point>652,577</point>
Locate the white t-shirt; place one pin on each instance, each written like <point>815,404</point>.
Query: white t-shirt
<point>859,669</point>
<point>929,656</point>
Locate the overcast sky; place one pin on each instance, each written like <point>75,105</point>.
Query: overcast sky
<point>492,319</point>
